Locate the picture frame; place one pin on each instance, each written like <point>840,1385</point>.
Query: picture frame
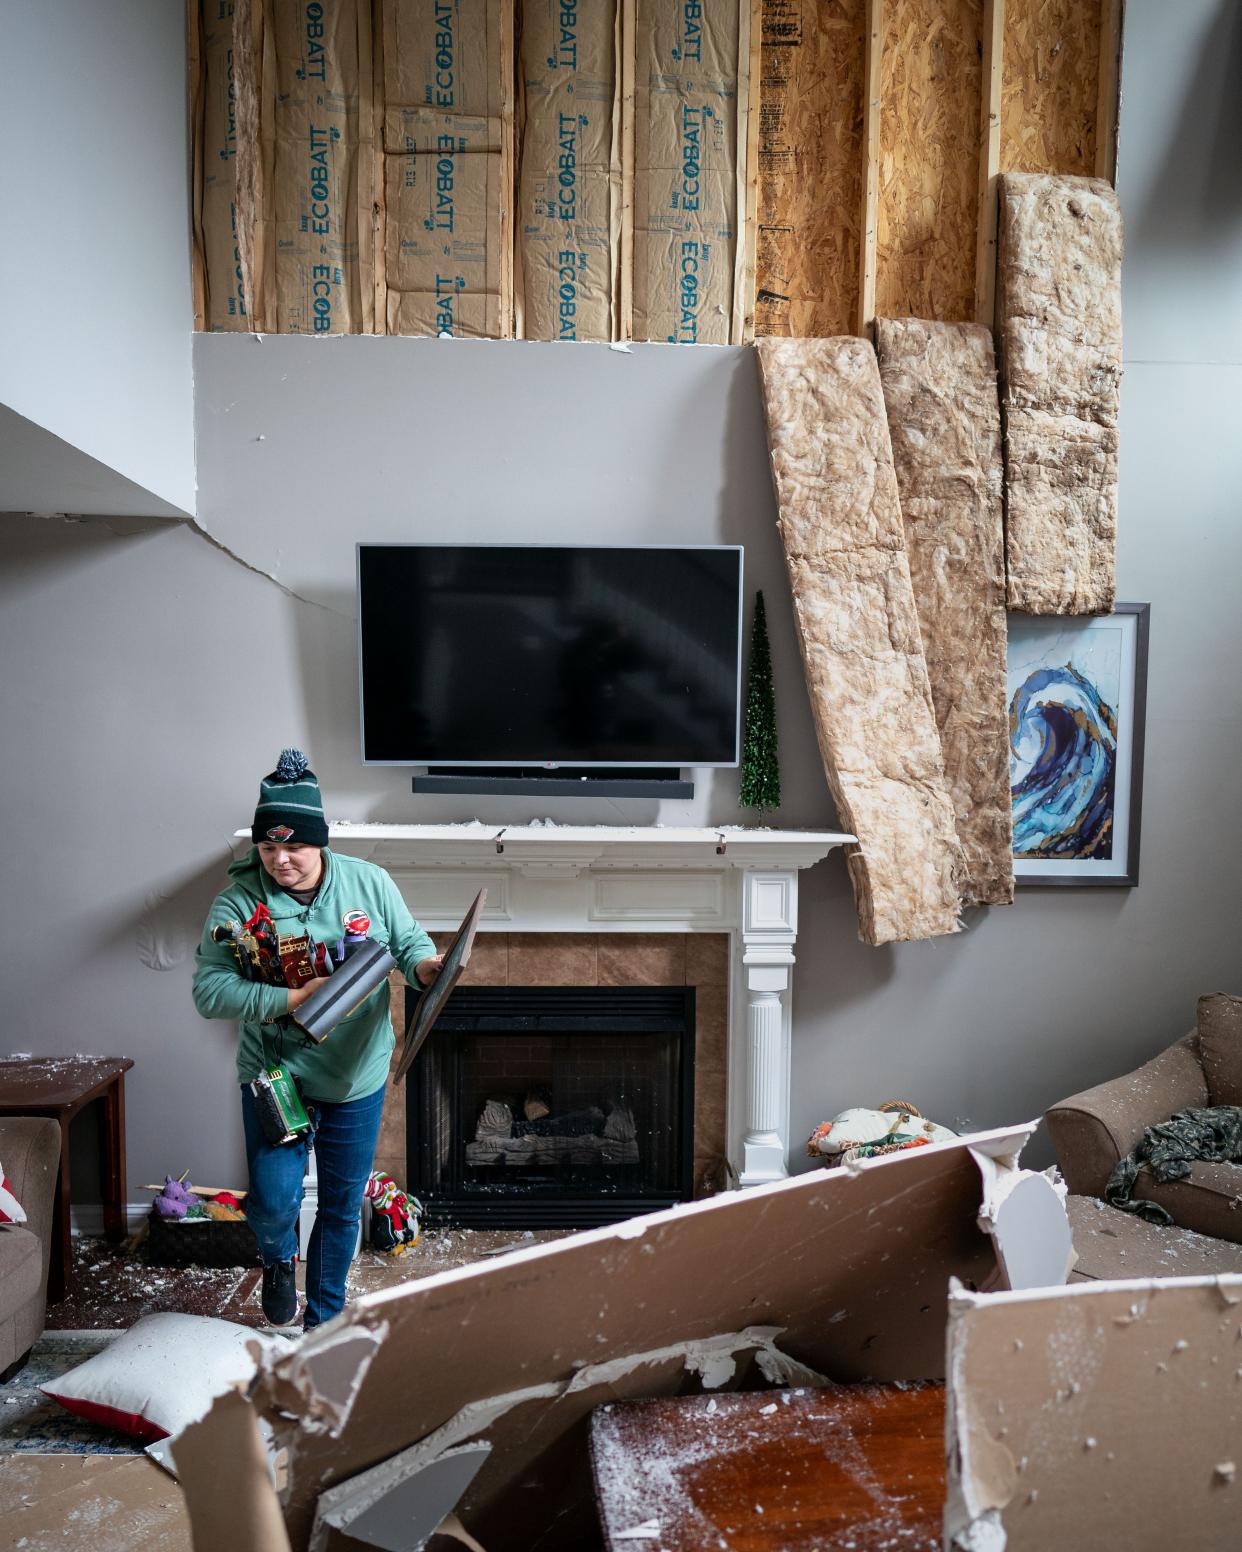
<point>1077,696</point>
<point>431,1003</point>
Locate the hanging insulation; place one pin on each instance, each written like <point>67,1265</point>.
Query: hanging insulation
<point>569,204</point>
<point>840,521</point>
<point>446,128</point>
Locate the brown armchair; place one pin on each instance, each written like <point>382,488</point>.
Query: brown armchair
<point>1091,1131</point>
<point>30,1154</point>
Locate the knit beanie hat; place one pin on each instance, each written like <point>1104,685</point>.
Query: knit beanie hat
<point>290,808</point>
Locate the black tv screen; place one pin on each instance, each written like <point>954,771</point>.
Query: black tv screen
<point>549,655</point>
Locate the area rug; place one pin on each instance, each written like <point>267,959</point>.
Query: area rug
<point>31,1424</point>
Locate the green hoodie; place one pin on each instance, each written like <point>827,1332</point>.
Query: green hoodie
<point>353,1061</point>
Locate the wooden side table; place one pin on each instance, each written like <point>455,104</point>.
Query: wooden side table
<point>61,1087</point>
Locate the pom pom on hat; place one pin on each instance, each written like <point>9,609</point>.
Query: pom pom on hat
<point>292,765</point>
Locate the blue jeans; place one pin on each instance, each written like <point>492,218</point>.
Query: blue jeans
<point>344,1138</point>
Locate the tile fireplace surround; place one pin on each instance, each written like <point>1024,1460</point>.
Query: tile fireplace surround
<point>606,897</point>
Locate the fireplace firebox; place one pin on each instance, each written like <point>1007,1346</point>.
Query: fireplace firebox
<point>553,1107</point>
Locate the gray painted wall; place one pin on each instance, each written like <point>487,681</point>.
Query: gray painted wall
<point>153,677</point>
<point>94,268</point>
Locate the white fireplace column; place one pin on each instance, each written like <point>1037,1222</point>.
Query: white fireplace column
<point>769,930</point>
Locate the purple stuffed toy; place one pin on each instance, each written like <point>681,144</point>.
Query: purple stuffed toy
<point>175,1200</point>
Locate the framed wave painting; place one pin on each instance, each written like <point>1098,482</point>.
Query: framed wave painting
<point>1077,705</point>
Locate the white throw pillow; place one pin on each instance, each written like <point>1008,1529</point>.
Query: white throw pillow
<point>160,1375</point>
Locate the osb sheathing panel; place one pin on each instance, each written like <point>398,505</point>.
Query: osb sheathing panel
<point>840,520</point>
<point>1050,85</point>
<point>853,1277</point>
<point>944,421</point>
<point>1100,1415</point>
<point>810,167</point>
<point>1059,326</point>
<point>929,172</point>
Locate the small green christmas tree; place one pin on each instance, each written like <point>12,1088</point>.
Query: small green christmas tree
<point>761,769</point>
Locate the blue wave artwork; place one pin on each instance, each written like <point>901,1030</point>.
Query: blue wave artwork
<point>1063,766</point>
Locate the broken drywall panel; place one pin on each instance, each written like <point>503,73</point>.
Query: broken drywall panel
<point>569,196</point>
<point>224,1468</point>
<point>534,1423</point>
<point>1102,1414</point>
<point>851,1284</point>
<point>685,183</point>
<point>1059,325</point>
<point>323,179</point>
<point>328,1387</point>
<point>398,1504</point>
<point>810,160</point>
<point>1024,1212</point>
<point>940,392</point>
<point>225,304</point>
<point>448,167</point>
<point>840,520</point>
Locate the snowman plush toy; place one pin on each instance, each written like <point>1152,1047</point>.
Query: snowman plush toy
<point>868,1134</point>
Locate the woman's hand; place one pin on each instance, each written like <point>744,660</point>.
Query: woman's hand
<point>427,969</point>
<point>299,994</point>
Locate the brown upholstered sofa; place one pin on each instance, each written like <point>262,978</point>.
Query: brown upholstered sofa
<point>30,1154</point>
<point>1091,1131</point>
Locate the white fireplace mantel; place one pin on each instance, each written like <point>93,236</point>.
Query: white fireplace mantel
<point>605,878</point>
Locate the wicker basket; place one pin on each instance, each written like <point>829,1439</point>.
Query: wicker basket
<point>202,1242</point>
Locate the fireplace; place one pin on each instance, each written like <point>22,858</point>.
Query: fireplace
<point>553,1106</point>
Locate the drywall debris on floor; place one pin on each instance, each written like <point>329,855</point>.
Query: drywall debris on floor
<point>1104,1414</point>
<point>1112,1244</point>
<point>107,1503</point>
<point>838,1273</point>
<point>840,520</point>
<point>939,384</point>
<point>1059,327</point>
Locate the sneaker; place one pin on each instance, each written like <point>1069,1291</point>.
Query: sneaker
<point>280,1293</point>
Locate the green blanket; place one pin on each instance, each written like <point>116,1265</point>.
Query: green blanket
<point>1169,1149</point>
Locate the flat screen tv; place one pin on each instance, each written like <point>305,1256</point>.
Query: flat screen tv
<point>534,655</point>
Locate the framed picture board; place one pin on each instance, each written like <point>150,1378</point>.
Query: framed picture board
<point>430,1005</point>
<point>1077,689</point>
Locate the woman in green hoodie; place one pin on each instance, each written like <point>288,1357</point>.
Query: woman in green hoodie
<point>288,917</point>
